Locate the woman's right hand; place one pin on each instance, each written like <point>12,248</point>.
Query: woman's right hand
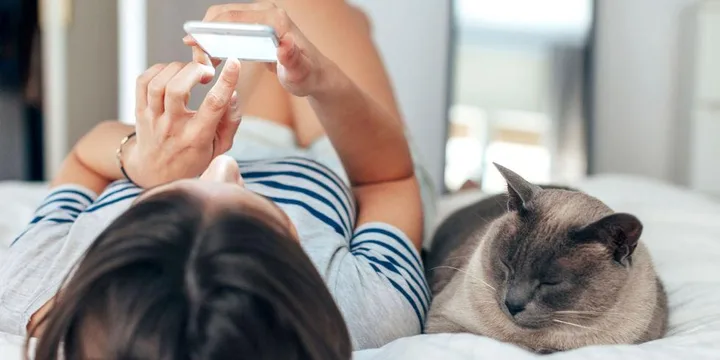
<point>302,69</point>
<point>172,141</point>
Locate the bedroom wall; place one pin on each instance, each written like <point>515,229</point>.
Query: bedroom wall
<point>412,36</point>
<point>12,143</point>
<point>92,66</point>
<point>637,64</point>
<point>80,70</point>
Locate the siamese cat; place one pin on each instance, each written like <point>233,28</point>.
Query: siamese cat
<point>548,269</point>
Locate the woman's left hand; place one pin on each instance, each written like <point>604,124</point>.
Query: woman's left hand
<point>174,142</point>
<point>301,68</point>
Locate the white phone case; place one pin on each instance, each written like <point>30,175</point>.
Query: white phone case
<point>245,42</point>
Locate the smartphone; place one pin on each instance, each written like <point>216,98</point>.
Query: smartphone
<point>245,42</point>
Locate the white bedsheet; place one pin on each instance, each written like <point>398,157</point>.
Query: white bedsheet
<point>682,230</point>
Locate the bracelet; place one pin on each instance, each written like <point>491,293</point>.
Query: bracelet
<point>119,154</point>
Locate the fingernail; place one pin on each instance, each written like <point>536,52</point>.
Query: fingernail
<point>187,38</point>
<point>281,71</point>
<point>232,64</point>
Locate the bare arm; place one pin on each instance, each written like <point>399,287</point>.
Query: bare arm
<point>371,144</point>
<point>365,129</point>
<point>369,139</point>
<point>91,163</point>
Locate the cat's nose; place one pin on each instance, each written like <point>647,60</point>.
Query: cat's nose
<point>514,307</point>
<point>517,297</point>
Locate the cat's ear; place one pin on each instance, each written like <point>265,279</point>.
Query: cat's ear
<point>619,232</point>
<point>520,191</point>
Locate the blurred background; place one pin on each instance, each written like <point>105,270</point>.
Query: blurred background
<point>554,89</point>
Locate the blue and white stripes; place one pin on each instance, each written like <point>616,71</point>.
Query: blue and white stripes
<point>62,206</point>
<point>298,184</point>
<point>372,269</point>
<point>65,203</point>
<point>390,254</point>
<point>115,193</point>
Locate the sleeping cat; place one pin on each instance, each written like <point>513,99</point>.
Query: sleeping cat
<point>548,269</point>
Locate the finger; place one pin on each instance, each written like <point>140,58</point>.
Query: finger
<point>214,11</point>
<point>156,88</point>
<point>141,86</point>
<point>289,54</point>
<point>178,88</point>
<point>293,65</point>
<point>218,98</point>
<point>189,41</point>
<point>199,55</point>
<point>265,13</point>
<point>228,126</point>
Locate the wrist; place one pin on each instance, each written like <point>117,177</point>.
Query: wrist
<point>127,159</point>
<point>331,81</point>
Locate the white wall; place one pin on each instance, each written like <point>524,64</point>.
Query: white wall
<point>636,73</point>
<point>80,67</point>
<point>413,38</point>
<point>701,100</point>
<point>92,66</point>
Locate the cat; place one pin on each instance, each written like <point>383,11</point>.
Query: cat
<point>546,268</point>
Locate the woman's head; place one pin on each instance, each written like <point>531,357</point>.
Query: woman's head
<point>177,278</point>
<point>222,187</point>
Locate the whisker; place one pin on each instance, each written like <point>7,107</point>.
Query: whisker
<point>459,257</point>
<point>590,312</point>
<point>477,215</point>
<point>615,317</point>
<point>497,201</point>
<point>589,315</point>
<point>466,273</point>
<point>574,324</point>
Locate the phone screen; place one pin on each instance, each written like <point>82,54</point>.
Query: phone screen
<point>243,48</point>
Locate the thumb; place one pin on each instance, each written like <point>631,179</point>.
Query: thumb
<point>293,66</point>
<point>218,99</point>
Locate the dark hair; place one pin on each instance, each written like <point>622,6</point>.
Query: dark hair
<point>170,280</point>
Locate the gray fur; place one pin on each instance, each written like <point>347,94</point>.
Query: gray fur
<point>548,269</point>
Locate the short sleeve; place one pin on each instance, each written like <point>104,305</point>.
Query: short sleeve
<point>379,284</point>
<point>59,209</point>
<point>32,269</point>
<point>391,254</point>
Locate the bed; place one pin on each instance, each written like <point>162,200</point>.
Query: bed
<point>682,230</point>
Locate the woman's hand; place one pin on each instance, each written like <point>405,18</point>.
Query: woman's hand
<point>174,142</point>
<point>301,68</point>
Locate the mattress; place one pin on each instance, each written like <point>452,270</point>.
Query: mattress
<point>682,231</point>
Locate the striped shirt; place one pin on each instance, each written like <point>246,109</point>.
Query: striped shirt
<point>373,271</point>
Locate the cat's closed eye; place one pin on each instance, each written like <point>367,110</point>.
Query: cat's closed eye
<point>551,281</point>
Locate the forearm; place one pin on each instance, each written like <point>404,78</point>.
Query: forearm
<point>91,163</point>
<point>370,141</point>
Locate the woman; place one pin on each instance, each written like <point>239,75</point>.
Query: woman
<point>214,266</point>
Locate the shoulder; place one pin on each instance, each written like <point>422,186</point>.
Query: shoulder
<point>379,284</point>
<point>310,193</point>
